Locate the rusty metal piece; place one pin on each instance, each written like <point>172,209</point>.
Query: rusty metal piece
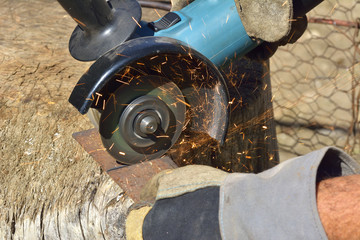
<point>130,178</point>
<point>335,22</point>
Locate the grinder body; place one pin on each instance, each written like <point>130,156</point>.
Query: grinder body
<point>153,81</point>
<point>213,28</point>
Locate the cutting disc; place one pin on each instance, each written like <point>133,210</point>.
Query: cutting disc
<point>142,119</point>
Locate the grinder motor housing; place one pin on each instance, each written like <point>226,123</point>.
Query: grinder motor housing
<point>182,53</point>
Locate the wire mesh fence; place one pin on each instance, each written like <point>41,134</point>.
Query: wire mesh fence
<point>316,82</point>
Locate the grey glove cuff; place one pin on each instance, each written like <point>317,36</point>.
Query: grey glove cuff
<point>280,203</point>
<point>258,16</point>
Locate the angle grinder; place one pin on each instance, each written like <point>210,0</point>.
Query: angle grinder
<point>153,81</point>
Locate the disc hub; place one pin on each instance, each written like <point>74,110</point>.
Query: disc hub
<point>148,125</point>
<point>143,120</point>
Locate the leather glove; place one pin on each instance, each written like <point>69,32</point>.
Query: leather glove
<point>204,203</point>
<point>178,204</point>
<point>272,22</point>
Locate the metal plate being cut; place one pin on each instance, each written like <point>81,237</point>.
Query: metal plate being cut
<point>130,178</point>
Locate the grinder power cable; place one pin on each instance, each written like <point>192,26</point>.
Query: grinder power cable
<point>153,81</point>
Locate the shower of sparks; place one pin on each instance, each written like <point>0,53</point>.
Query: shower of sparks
<point>186,70</point>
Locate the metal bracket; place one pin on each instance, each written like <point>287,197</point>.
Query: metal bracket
<point>131,178</point>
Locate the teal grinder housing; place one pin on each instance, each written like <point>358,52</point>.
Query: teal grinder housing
<point>155,84</point>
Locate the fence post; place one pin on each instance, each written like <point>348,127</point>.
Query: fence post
<point>251,144</point>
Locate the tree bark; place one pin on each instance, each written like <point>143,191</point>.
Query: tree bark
<point>100,216</point>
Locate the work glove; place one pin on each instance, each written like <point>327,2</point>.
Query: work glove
<point>204,203</point>
<point>271,22</point>
<point>178,204</point>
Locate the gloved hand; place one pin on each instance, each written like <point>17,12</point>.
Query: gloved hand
<point>178,204</point>
<point>271,21</point>
<point>204,203</point>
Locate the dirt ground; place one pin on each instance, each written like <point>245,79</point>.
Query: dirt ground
<point>42,166</point>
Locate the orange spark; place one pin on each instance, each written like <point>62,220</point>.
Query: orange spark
<point>97,100</point>
<point>122,55</point>
<point>107,117</point>
<point>272,99</point>
<point>92,98</point>
<point>79,22</point>
<point>112,145</point>
<point>180,100</point>
<point>136,22</point>
<point>157,13</point>
<point>152,58</point>
<point>114,132</point>
<point>333,9</point>
<point>122,82</point>
<point>97,150</point>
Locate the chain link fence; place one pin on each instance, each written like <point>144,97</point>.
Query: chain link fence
<point>316,83</point>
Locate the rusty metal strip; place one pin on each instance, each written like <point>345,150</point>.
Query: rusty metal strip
<point>130,178</point>
<point>336,22</point>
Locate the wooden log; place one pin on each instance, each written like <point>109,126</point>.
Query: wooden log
<point>102,216</point>
<point>251,144</point>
